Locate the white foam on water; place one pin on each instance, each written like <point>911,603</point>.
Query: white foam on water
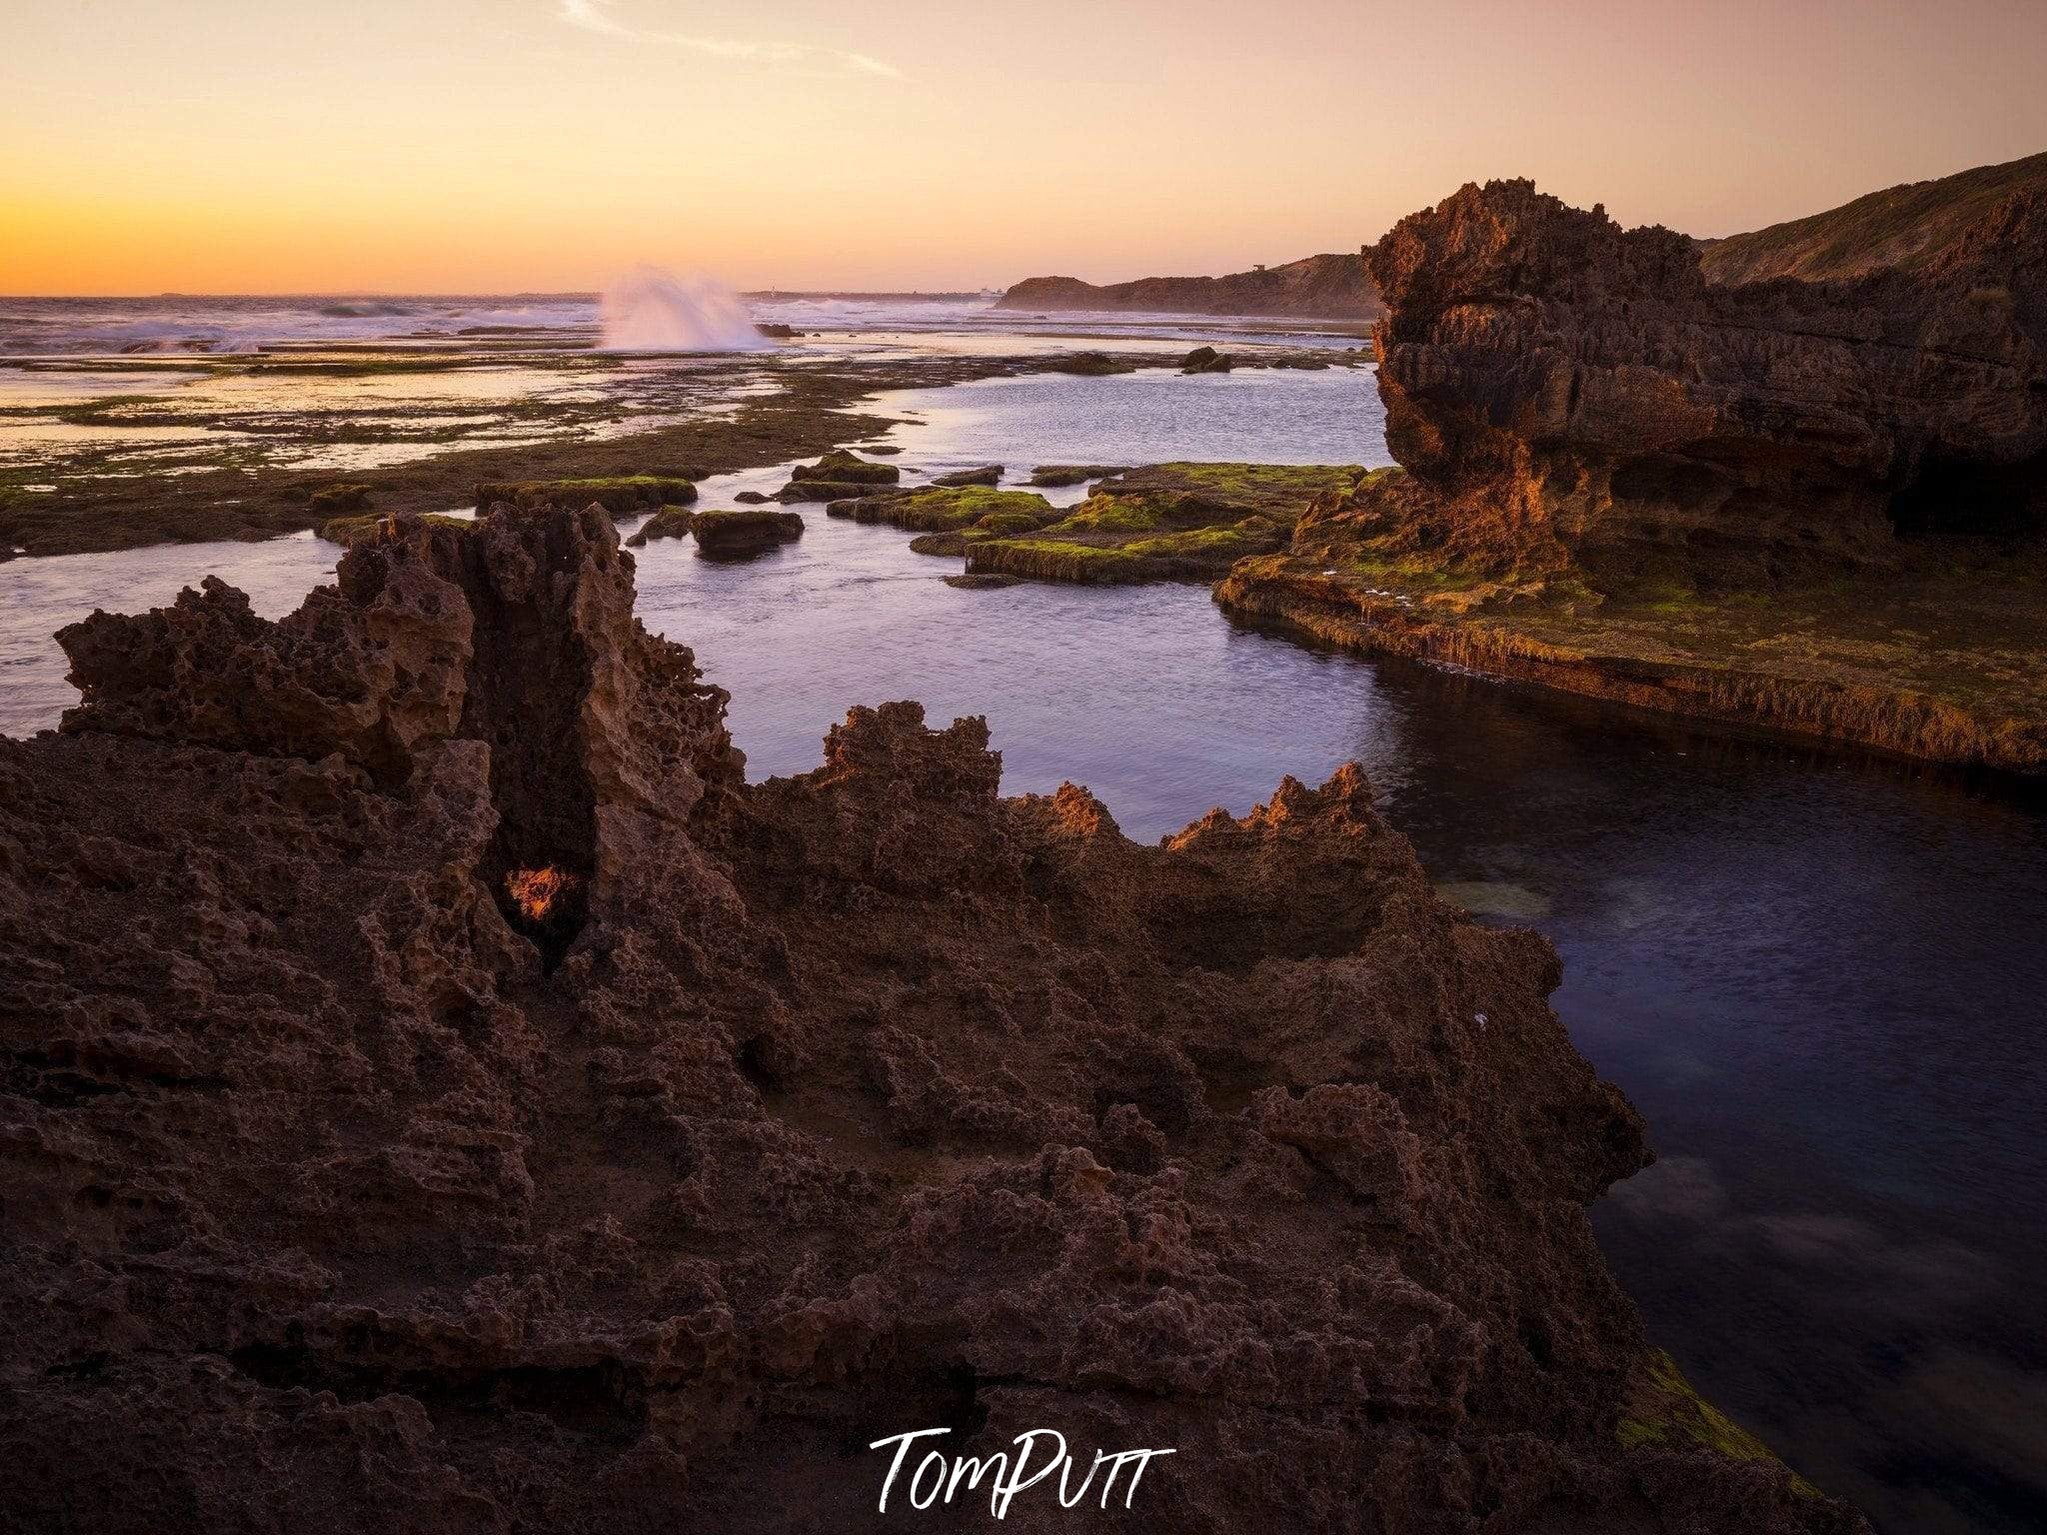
<point>653,310</point>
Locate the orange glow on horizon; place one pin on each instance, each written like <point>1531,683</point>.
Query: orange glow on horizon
<point>543,145</point>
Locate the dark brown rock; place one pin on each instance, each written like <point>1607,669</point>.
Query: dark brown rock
<point>739,534</point>
<point>1571,393</point>
<point>987,474</point>
<point>1206,359</point>
<point>843,468</point>
<point>1073,474</point>
<point>344,1193</point>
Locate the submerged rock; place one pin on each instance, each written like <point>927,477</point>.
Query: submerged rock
<point>442,1092</point>
<point>987,474</point>
<point>752,497</point>
<point>1087,364</point>
<point>972,582</point>
<point>1054,475</point>
<point>669,522</point>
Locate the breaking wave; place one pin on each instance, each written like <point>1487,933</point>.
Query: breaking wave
<point>652,310</point>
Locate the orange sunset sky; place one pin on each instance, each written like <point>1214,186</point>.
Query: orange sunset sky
<point>489,145</point>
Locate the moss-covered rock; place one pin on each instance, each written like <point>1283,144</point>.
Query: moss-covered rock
<point>1198,494</point>
<point>620,495</point>
<point>1087,364</point>
<point>840,467</point>
<point>981,581</point>
<point>740,533</point>
<point>797,491</point>
<point>943,544</point>
<point>368,527</point>
<point>1663,1410</point>
<point>1054,475</point>
<point>336,500</point>
<point>669,522</point>
<point>1045,559</point>
<point>943,509</point>
<point>1009,524</point>
<point>1166,522</point>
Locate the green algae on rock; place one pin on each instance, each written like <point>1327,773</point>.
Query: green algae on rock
<point>734,534</point>
<point>368,527</point>
<point>621,495</point>
<point>669,522</point>
<point>1057,475</point>
<point>841,467</point>
<point>943,509</point>
<point>1164,522</point>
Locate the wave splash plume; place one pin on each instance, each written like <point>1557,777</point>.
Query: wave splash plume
<point>652,310</point>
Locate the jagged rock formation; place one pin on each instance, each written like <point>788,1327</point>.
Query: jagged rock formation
<point>1333,287</point>
<point>440,1094</point>
<point>1575,394</point>
<point>1816,507</point>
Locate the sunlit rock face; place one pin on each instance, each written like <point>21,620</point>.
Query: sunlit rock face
<point>346,1192</point>
<point>1572,392</point>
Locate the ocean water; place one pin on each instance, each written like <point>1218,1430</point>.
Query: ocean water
<point>180,325</point>
<point>1819,976</point>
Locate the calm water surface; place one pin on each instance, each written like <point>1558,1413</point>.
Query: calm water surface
<point>1819,978</point>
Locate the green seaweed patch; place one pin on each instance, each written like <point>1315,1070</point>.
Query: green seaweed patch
<point>1663,1410</point>
<point>1190,493</point>
<point>619,494</point>
<point>947,510</point>
<point>1212,543</point>
<point>1103,513</point>
<point>1009,524</point>
<point>841,467</point>
<point>1049,559</point>
<point>335,500</point>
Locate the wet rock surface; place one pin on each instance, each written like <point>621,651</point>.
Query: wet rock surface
<point>352,1185</point>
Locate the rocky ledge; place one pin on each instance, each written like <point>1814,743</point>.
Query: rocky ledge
<point>1817,506</point>
<point>440,1093</point>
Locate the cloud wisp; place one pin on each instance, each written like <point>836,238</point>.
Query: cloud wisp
<point>596,16</point>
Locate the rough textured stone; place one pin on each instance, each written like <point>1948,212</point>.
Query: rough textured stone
<point>1573,393</point>
<point>343,1193</point>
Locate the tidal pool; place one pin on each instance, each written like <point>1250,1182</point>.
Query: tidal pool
<point>1819,977</point>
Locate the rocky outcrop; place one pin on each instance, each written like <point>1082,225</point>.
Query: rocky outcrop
<point>1815,507</point>
<point>1334,287</point>
<point>439,1093</point>
<point>1573,394</point>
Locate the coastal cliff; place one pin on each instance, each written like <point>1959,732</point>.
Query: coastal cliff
<point>1332,287</point>
<point>441,1093</point>
<point>1814,505</point>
